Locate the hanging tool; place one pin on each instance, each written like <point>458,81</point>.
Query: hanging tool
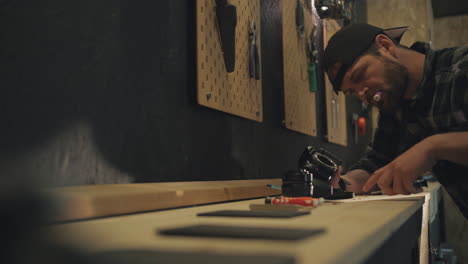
<point>300,19</point>
<point>359,122</point>
<point>355,125</point>
<point>312,56</point>
<point>254,60</point>
<point>226,16</point>
<point>332,9</point>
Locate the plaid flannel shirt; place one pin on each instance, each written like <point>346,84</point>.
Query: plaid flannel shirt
<point>440,105</point>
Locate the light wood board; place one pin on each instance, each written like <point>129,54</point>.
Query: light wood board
<point>235,92</point>
<point>88,201</point>
<point>431,195</point>
<point>335,104</point>
<point>299,101</point>
<point>353,231</point>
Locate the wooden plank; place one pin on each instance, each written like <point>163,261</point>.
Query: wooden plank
<point>353,231</point>
<point>430,207</point>
<point>81,202</point>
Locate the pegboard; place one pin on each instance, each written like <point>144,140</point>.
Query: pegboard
<point>299,101</point>
<point>335,104</point>
<point>234,92</point>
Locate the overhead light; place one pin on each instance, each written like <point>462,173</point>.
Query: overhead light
<point>324,8</point>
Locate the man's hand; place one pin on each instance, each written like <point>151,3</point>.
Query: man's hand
<point>356,178</point>
<point>334,181</point>
<point>398,176</point>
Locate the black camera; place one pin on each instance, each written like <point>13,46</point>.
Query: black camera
<point>321,163</point>
<point>315,169</point>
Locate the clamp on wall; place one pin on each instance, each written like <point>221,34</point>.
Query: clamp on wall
<point>226,17</point>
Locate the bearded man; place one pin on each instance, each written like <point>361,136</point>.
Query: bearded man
<point>422,96</point>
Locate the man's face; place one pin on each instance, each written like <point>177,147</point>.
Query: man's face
<point>377,74</point>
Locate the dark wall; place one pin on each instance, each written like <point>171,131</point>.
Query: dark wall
<point>93,88</point>
<point>443,8</point>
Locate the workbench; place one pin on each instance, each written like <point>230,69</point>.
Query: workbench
<point>374,230</point>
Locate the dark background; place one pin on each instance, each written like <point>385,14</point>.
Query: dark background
<point>126,69</point>
<point>443,8</point>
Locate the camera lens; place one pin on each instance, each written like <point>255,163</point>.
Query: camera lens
<point>326,164</point>
<point>297,183</point>
<point>321,166</point>
<point>320,163</point>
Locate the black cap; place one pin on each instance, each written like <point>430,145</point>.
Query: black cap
<point>350,42</point>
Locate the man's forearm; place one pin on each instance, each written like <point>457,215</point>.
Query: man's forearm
<point>450,146</point>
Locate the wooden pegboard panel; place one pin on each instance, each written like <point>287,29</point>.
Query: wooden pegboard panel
<point>234,92</point>
<point>299,101</point>
<point>335,104</point>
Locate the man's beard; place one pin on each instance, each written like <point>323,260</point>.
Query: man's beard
<point>396,76</point>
